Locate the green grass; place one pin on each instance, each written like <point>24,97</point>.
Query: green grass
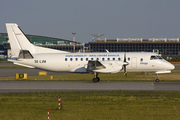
<point>174,76</point>
<point>107,105</point>
<point>176,64</point>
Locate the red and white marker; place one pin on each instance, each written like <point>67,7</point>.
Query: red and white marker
<point>48,114</point>
<point>59,99</point>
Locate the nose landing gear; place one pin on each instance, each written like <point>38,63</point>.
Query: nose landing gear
<point>157,80</point>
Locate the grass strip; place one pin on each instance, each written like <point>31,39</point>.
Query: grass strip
<point>174,76</point>
<point>105,105</point>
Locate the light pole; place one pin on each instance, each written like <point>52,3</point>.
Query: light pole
<point>74,42</point>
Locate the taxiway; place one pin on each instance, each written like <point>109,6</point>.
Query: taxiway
<point>37,86</point>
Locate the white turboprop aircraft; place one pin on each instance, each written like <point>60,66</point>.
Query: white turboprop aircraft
<point>26,54</point>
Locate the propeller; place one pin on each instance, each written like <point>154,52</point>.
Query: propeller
<point>125,64</point>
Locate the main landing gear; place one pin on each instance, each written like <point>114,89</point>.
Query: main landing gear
<point>157,80</point>
<point>96,78</point>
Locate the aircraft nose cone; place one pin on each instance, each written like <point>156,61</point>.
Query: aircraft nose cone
<point>171,66</point>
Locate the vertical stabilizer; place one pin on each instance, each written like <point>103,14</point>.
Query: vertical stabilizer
<point>18,40</point>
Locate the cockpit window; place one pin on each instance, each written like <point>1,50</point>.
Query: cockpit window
<point>152,57</point>
<point>159,57</point>
<point>155,57</point>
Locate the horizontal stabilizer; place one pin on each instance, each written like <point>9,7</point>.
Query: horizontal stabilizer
<point>24,65</point>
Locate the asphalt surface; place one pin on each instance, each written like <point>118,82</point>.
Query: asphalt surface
<point>32,86</point>
<point>32,72</point>
<point>37,86</point>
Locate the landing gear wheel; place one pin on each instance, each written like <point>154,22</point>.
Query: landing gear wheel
<point>157,80</point>
<point>95,80</point>
<point>125,74</point>
<point>98,79</point>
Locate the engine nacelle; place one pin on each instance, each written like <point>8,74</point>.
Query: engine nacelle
<point>104,66</point>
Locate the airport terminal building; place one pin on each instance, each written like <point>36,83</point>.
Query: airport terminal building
<point>48,42</point>
<point>168,47</point>
<point>163,46</point>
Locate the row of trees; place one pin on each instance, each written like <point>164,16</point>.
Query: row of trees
<point>174,59</point>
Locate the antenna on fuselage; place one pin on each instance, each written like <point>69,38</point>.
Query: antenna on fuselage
<point>107,50</point>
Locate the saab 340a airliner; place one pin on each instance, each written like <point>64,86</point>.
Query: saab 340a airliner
<point>26,54</point>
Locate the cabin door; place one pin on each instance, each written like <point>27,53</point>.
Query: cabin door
<point>134,63</point>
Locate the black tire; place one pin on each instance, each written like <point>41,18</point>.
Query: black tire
<point>98,79</point>
<point>95,80</point>
<point>157,80</point>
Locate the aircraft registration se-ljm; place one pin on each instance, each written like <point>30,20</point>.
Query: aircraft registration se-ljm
<point>26,54</point>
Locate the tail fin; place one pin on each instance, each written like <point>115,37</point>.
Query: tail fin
<point>18,41</point>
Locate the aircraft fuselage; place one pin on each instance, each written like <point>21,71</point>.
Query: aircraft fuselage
<point>76,62</point>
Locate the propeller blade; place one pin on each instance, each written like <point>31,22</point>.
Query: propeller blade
<point>124,57</point>
<point>125,64</point>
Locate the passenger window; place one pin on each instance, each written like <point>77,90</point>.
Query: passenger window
<point>65,59</point>
<point>141,59</point>
<point>76,59</point>
<point>81,59</point>
<point>102,59</point>
<point>119,59</point>
<point>128,58</point>
<point>113,58</point>
<point>97,59</point>
<point>91,58</point>
<point>86,59</point>
<point>71,59</point>
<point>108,59</point>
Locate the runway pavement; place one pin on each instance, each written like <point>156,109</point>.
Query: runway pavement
<point>30,72</point>
<point>32,86</point>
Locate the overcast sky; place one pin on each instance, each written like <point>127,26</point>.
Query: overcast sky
<point>114,18</point>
